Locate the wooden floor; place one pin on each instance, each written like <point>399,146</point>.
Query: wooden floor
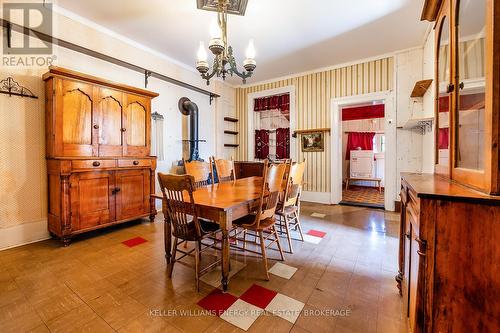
<point>363,195</point>
<point>99,284</point>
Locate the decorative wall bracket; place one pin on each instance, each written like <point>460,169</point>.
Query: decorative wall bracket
<point>10,87</point>
<point>425,126</point>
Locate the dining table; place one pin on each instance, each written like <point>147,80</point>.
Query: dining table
<point>222,203</point>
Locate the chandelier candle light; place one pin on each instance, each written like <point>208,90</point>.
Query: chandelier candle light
<point>223,53</point>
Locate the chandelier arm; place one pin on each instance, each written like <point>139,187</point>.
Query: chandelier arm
<point>234,69</point>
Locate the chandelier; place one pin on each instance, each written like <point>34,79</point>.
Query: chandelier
<point>224,62</point>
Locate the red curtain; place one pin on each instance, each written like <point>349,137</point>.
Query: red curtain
<point>443,138</point>
<point>363,112</point>
<point>282,143</point>
<point>261,144</point>
<point>355,140</point>
<point>280,102</point>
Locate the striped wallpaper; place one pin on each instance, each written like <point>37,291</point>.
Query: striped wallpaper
<point>313,94</point>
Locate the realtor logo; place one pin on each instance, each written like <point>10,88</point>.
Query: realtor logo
<point>35,16</point>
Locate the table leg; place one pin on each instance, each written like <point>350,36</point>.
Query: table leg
<point>167,230</point>
<point>225,223</point>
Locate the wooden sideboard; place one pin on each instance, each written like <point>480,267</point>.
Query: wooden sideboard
<point>449,255</point>
<point>98,140</point>
<point>244,169</point>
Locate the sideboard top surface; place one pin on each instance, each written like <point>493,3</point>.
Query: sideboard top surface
<point>432,186</point>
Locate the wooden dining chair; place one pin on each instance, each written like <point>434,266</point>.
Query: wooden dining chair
<point>288,209</point>
<point>224,169</point>
<point>201,171</point>
<point>262,221</point>
<point>186,226</point>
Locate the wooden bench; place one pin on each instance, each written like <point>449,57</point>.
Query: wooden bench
<point>377,180</point>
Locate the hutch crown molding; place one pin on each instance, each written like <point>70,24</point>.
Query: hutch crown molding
<point>449,275</point>
<point>98,135</point>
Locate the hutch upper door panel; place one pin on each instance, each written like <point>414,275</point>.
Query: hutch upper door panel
<point>74,135</point>
<point>136,125</point>
<point>109,107</point>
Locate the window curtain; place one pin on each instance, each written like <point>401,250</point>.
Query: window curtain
<point>280,102</point>
<point>282,143</point>
<point>261,144</point>
<point>363,112</point>
<point>443,138</point>
<point>356,140</point>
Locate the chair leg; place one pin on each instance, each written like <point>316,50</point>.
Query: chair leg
<point>244,240</point>
<point>287,229</point>
<point>297,223</point>
<point>197,258</point>
<point>278,242</point>
<point>199,250</point>
<point>264,256</point>
<point>170,266</point>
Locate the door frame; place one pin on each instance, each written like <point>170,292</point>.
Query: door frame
<point>390,159</point>
<point>251,128</point>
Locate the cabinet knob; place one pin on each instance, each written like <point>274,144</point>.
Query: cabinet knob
<point>461,85</point>
<point>96,126</point>
<point>408,235</point>
<point>123,129</point>
<point>96,163</point>
<point>135,162</point>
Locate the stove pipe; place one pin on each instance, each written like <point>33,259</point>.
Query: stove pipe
<point>190,109</point>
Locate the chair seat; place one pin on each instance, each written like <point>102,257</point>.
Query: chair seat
<point>207,227</point>
<point>247,222</point>
<point>287,211</point>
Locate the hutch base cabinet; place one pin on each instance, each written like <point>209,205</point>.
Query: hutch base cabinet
<point>449,273</point>
<point>100,171</point>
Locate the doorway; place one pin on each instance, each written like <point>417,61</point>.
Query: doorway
<point>373,144</point>
<point>363,152</point>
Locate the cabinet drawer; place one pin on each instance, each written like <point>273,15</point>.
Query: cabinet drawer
<point>134,163</point>
<point>92,164</point>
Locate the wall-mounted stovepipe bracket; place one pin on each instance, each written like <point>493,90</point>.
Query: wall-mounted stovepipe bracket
<point>10,87</point>
<point>147,75</point>
<point>156,116</point>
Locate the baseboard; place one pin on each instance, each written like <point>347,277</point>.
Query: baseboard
<point>317,197</point>
<point>23,234</point>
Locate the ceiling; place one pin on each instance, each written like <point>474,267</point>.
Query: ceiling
<point>290,36</point>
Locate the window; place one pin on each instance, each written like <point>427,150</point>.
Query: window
<point>272,127</point>
<point>379,143</point>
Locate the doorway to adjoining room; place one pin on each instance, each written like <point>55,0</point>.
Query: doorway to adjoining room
<point>363,154</point>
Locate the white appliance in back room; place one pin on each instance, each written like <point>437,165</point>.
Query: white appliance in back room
<point>362,164</point>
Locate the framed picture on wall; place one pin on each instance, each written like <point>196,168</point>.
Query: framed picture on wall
<point>313,142</point>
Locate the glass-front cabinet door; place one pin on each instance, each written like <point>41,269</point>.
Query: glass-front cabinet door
<point>470,95</point>
<point>444,88</point>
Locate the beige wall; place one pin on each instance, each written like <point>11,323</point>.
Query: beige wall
<point>23,185</point>
<point>313,94</point>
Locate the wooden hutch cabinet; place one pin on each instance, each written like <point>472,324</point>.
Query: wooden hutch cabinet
<point>449,254</point>
<point>100,171</point>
